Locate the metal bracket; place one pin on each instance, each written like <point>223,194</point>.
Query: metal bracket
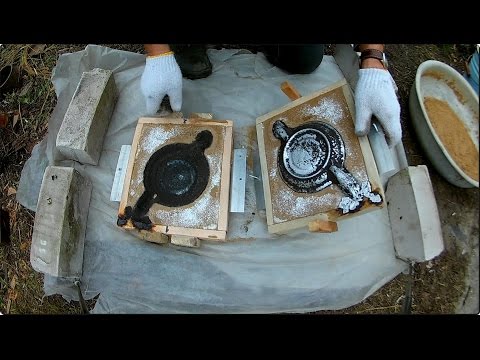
<point>120,172</point>
<point>239,174</point>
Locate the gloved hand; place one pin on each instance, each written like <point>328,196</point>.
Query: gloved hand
<point>375,94</point>
<point>162,76</point>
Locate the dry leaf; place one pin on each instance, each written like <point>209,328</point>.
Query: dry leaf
<point>13,282</point>
<point>37,49</point>
<point>25,65</point>
<point>15,119</point>
<point>12,294</point>
<point>3,120</point>
<point>11,191</point>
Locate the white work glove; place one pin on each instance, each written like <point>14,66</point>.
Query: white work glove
<point>161,76</point>
<point>375,95</point>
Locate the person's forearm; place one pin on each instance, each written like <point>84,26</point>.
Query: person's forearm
<point>156,49</point>
<point>371,63</point>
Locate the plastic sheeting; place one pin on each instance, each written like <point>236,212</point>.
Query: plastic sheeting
<point>255,272</point>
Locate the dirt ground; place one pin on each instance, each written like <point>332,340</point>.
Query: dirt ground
<point>445,285</point>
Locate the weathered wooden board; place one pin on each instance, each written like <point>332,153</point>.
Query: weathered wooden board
<point>207,216</point>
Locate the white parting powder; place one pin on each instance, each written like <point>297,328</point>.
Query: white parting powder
<point>328,109</point>
<point>136,181</point>
<point>203,213</point>
<point>302,206</point>
<point>303,158</point>
<point>277,220</point>
<point>331,111</point>
<point>141,168</point>
<point>273,166</point>
<point>155,137</point>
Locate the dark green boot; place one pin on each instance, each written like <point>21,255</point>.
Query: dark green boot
<point>192,60</point>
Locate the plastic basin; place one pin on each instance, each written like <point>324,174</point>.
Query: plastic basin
<point>440,81</point>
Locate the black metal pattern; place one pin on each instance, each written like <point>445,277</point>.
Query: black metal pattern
<point>312,156</point>
<point>174,176</point>
<point>325,147</point>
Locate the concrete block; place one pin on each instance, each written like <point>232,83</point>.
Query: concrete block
<point>184,240</point>
<point>154,237</point>
<point>86,121</point>
<point>60,223</point>
<point>414,219</point>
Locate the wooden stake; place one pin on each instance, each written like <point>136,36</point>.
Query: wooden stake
<point>290,91</point>
<point>322,226</point>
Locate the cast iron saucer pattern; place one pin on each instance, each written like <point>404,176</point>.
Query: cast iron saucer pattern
<point>312,156</point>
<point>174,176</point>
<point>327,144</point>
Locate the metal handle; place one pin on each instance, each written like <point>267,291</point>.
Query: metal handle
<point>281,130</point>
<point>83,304</point>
